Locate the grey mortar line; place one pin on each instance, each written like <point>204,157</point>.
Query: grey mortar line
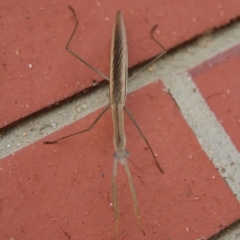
<point>209,132</point>
<point>168,69</point>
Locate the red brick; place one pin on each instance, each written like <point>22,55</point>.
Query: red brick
<point>52,191</point>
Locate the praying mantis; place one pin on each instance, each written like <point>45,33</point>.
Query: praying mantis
<point>117,99</point>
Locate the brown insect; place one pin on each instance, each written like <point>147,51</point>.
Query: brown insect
<point>117,92</point>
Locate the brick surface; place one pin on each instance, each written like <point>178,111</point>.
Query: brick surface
<point>64,190</point>
<point>36,71</point>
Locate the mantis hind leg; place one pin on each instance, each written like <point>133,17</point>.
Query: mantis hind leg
<point>115,197</point>
<point>133,194</point>
<point>132,191</point>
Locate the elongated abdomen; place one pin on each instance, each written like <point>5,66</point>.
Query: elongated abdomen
<point>118,63</point>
